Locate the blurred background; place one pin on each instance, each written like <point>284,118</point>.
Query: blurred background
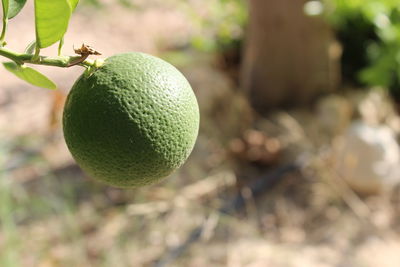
<point>297,162</point>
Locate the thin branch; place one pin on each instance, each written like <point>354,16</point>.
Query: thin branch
<point>60,61</point>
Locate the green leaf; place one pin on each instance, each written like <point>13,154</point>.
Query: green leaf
<point>51,21</point>
<point>29,75</point>
<point>73,4</point>
<point>5,5</point>
<point>15,7</point>
<point>30,49</point>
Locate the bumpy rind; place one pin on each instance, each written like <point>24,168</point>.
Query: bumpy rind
<point>131,122</point>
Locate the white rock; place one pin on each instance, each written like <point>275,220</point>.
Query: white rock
<point>369,158</point>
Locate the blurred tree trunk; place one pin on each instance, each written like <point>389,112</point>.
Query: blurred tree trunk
<point>289,57</point>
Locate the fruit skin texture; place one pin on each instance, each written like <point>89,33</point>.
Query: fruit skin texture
<point>131,122</point>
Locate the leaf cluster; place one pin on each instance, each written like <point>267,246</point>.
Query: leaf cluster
<point>369,31</point>
<point>51,23</point>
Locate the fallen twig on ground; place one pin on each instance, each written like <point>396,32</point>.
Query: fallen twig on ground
<point>261,185</point>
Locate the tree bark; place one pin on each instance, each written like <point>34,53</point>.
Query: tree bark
<point>289,57</point>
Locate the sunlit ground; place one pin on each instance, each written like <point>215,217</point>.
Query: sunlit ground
<point>208,213</point>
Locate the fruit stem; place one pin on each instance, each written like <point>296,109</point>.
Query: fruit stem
<point>3,31</point>
<point>60,45</point>
<point>60,61</point>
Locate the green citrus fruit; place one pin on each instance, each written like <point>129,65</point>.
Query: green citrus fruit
<point>132,121</point>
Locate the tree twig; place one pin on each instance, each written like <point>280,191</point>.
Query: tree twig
<point>60,61</point>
